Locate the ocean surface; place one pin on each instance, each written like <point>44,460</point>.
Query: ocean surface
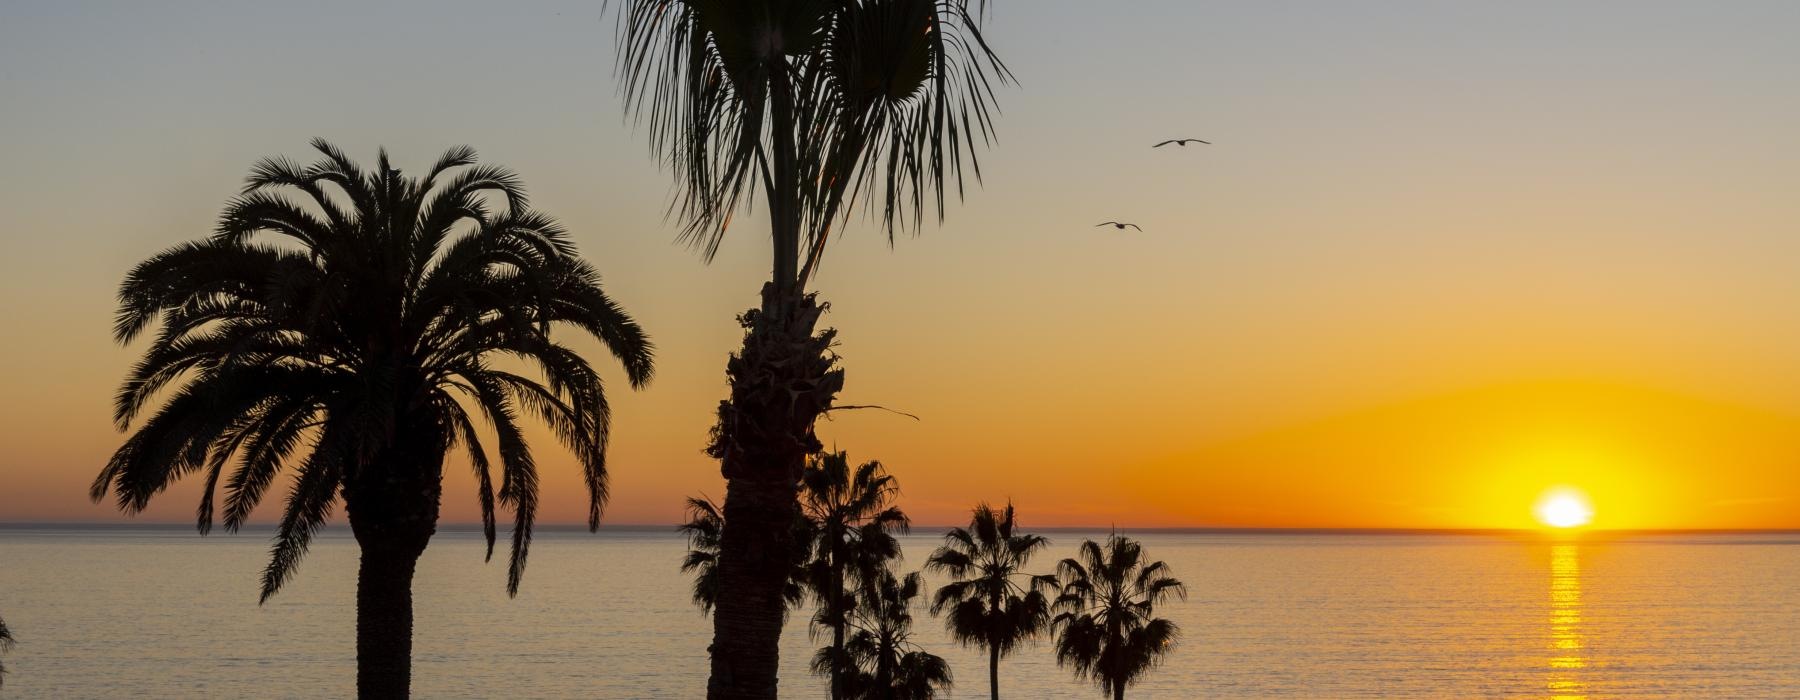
<point>160,612</point>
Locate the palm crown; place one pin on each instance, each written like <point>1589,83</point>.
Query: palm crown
<point>992,602</point>
<point>852,513</point>
<point>888,665</point>
<point>1107,625</point>
<point>345,323</point>
<point>816,101</point>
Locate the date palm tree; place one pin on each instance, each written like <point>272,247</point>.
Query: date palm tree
<point>703,527</point>
<point>992,602</point>
<point>819,105</point>
<point>853,519</point>
<point>345,324</point>
<point>885,663</point>
<point>6,645</point>
<point>1107,627</point>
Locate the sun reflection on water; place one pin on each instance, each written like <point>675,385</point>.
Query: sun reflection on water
<point>1567,646</point>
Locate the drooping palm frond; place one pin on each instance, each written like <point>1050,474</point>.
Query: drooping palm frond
<point>343,324</point>
<point>1106,628</point>
<point>823,104</point>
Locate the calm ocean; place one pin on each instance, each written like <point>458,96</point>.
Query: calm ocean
<point>160,612</point>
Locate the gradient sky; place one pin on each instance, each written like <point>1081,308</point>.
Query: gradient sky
<point>1441,257</point>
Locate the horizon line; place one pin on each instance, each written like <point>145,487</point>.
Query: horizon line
<point>1173,530</point>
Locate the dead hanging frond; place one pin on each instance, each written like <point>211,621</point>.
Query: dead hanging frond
<point>828,411</point>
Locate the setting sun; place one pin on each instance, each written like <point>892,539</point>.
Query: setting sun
<point>1563,507</point>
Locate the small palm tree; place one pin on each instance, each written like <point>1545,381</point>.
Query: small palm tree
<point>1107,626</point>
<point>6,644</point>
<point>993,603</point>
<point>703,528</point>
<point>344,323</point>
<point>853,519</point>
<point>885,663</point>
<point>818,106</point>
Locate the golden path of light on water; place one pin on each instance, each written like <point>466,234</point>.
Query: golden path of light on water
<point>1567,647</point>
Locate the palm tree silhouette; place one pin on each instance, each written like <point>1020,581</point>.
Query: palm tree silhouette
<point>341,322</point>
<point>6,645</point>
<point>704,525</point>
<point>853,520</point>
<point>887,665</point>
<point>820,106</point>
<point>989,606</point>
<point>1106,627</point>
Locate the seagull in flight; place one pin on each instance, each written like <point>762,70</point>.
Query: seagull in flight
<point>1118,225</point>
<point>1181,142</point>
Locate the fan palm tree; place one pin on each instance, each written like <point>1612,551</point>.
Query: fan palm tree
<point>703,527</point>
<point>820,105</point>
<point>853,519</point>
<point>1107,626</point>
<point>993,603</point>
<point>6,644</point>
<point>344,323</point>
<point>885,663</point>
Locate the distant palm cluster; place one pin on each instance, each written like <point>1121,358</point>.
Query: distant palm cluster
<point>1099,606</point>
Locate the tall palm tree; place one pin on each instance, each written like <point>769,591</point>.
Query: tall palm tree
<point>703,527</point>
<point>993,603</point>
<point>6,644</point>
<point>1107,626</point>
<point>344,323</point>
<point>820,105</point>
<point>853,519</point>
<point>885,663</point>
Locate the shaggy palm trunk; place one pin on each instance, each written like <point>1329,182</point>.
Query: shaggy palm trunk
<point>781,381</point>
<point>393,519</point>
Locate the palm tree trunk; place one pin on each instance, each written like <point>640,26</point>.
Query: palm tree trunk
<point>384,619</point>
<point>781,381</point>
<point>747,618</point>
<point>994,671</point>
<point>1119,692</point>
<point>393,513</point>
<point>838,619</point>
<point>837,666</point>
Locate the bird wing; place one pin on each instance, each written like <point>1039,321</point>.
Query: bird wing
<point>1209,143</point>
<point>1165,143</point>
<point>1134,226</point>
<point>1109,223</point>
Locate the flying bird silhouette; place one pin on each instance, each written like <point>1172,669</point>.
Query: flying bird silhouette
<point>1181,142</point>
<point>1118,225</point>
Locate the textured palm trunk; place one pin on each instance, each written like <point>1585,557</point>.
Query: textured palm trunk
<point>781,381</point>
<point>393,519</point>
